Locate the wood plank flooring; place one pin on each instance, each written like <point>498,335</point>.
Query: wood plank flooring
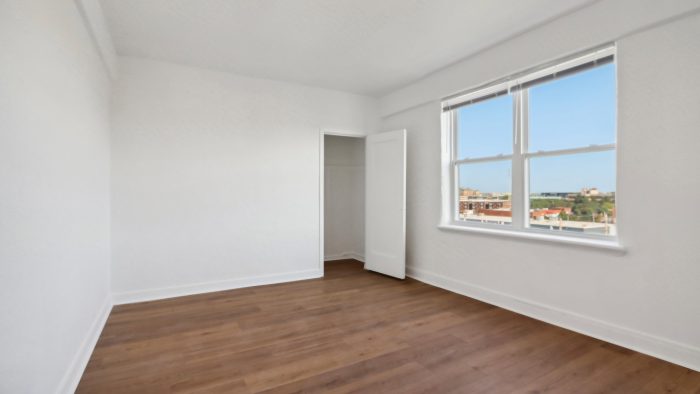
<point>357,331</point>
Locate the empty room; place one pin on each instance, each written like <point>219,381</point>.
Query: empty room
<point>336,196</point>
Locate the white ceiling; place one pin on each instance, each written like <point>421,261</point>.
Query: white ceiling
<point>364,46</point>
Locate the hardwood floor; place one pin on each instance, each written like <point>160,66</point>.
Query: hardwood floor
<point>356,331</point>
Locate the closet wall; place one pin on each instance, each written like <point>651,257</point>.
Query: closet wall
<point>344,183</point>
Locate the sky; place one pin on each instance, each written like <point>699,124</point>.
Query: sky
<point>571,112</point>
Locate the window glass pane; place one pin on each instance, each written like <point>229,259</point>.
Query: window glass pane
<point>574,193</point>
<point>574,111</point>
<point>485,192</point>
<point>485,128</point>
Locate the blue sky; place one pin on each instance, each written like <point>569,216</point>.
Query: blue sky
<point>571,112</point>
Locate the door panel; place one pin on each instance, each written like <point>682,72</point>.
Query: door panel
<point>385,203</point>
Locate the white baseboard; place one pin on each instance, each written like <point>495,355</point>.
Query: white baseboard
<point>665,349</point>
<point>207,287</point>
<point>345,256</point>
<point>75,371</point>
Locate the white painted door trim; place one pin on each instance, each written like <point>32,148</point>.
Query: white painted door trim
<point>321,184</point>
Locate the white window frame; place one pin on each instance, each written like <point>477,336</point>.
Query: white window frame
<point>520,157</point>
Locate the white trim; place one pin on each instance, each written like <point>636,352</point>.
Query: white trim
<point>468,160</point>
<point>571,151</point>
<point>519,184</point>
<point>577,240</point>
<point>507,83</point>
<point>344,133</point>
<point>208,287</point>
<point>474,93</point>
<point>597,54</point>
<point>321,184</point>
<point>675,352</point>
<point>357,256</point>
<point>345,256</point>
<point>321,199</point>
<point>520,162</point>
<point>72,377</point>
<point>448,194</point>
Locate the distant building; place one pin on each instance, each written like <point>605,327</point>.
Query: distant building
<point>557,195</point>
<point>477,206</point>
<point>503,212</point>
<point>590,192</point>
<point>469,192</point>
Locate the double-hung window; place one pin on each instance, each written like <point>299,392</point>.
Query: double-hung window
<point>534,154</point>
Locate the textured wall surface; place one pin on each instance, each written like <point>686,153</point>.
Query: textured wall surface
<point>651,292</point>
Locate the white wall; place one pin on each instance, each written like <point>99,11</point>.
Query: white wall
<point>91,11</point>
<point>215,178</point>
<point>602,22</point>
<point>646,299</point>
<point>54,196</point>
<point>344,183</point>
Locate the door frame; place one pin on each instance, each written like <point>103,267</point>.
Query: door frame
<point>321,184</point>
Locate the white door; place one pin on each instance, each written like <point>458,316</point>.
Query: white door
<point>385,203</point>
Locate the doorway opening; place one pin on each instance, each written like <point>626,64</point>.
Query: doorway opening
<point>343,197</point>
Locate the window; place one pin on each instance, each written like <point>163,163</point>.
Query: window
<point>535,153</point>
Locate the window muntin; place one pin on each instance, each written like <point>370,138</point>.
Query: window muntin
<point>558,157</point>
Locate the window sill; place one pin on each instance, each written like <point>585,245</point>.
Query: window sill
<point>612,245</point>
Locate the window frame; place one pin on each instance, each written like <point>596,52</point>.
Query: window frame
<point>519,157</point>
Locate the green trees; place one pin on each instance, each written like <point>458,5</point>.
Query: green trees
<point>549,203</point>
<point>583,208</point>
